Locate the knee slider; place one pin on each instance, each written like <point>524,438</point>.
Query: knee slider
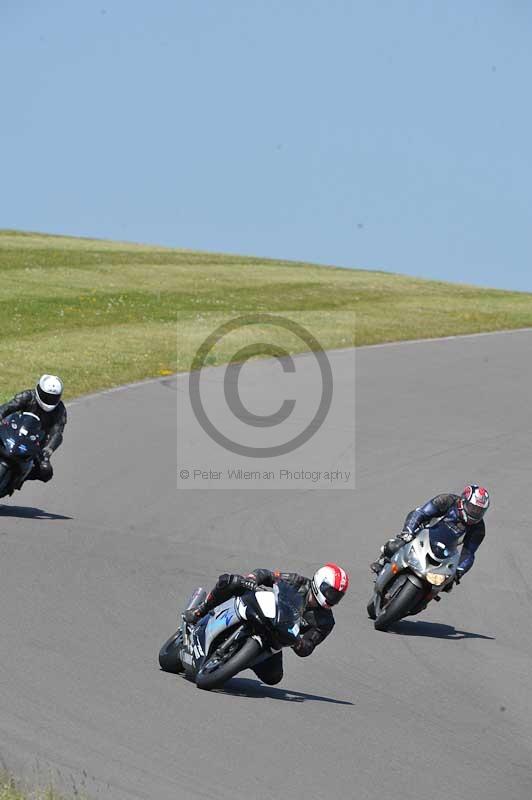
<point>47,472</point>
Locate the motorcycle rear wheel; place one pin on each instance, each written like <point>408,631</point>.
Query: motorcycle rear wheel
<point>409,597</point>
<point>216,678</point>
<point>169,654</point>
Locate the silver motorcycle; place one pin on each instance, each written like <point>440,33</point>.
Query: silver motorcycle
<point>415,575</point>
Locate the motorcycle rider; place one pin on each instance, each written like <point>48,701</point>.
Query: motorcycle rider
<point>462,513</point>
<point>326,588</point>
<point>45,402</point>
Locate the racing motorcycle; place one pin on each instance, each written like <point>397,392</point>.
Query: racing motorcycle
<point>21,437</point>
<point>415,575</point>
<point>236,635</point>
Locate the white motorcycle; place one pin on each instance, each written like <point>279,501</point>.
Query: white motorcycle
<point>236,635</point>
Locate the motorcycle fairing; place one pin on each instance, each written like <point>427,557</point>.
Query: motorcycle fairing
<point>20,443</point>
<point>419,557</point>
<point>20,435</point>
<point>426,553</point>
<point>223,617</point>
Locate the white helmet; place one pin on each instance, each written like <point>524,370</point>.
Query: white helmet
<point>48,392</point>
<point>329,585</point>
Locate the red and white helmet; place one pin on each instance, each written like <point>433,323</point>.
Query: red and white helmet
<point>473,503</point>
<point>48,392</point>
<point>329,584</point>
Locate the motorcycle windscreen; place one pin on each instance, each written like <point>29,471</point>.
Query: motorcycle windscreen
<point>196,598</point>
<point>289,610</point>
<point>443,540</point>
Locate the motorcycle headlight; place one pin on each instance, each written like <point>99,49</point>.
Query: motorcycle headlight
<point>435,578</point>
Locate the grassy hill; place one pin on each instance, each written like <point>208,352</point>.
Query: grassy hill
<point>104,313</point>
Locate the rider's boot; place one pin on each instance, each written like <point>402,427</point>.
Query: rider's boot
<point>389,549</point>
<point>377,565</point>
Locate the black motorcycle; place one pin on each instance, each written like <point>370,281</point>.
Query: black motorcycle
<point>21,437</point>
<point>238,634</point>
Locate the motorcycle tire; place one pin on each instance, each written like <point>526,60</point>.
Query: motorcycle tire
<point>169,654</point>
<point>5,479</point>
<point>409,597</point>
<point>370,608</point>
<point>241,659</point>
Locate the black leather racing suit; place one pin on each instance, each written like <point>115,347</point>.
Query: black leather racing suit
<point>52,422</point>
<point>443,506</point>
<point>316,623</point>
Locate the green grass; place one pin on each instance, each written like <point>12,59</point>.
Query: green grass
<point>101,313</point>
<point>10,790</point>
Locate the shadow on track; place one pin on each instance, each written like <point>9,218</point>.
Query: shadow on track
<point>28,512</point>
<point>245,687</point>
<point>434,629</point>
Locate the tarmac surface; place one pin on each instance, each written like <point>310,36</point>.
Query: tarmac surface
<point>95,566</point>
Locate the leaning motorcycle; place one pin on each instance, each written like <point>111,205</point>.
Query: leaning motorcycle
<point>415,575</point>
<point>21,437</point>
<point>236,635</point>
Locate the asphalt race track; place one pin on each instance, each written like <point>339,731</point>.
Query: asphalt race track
<point>94,567</point>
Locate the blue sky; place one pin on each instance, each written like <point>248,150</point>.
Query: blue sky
<point>378,134</point>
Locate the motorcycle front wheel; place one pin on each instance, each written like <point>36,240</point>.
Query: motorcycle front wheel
<point>370,608</point>
<point>212,676</point>
<point>169,654</point>
<point>408,597</point>
<point>5,478</point>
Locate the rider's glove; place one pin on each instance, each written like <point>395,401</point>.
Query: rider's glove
<point>457,578</point>
<point>236,582</point>
<point>226,580</point>
<point>406,535</point>
<point>191,615</point>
